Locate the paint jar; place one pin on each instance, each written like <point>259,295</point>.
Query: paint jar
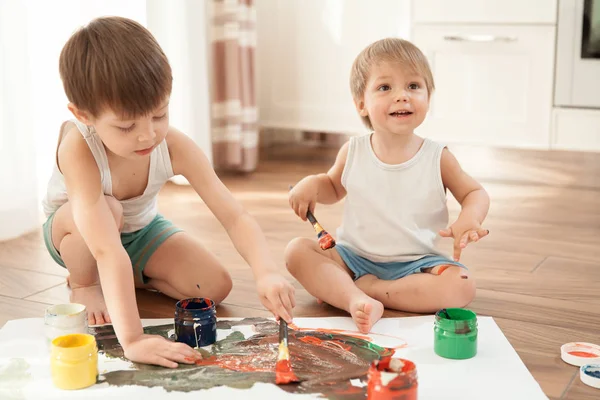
<point>580,353</point>
<point>455,333</point>
<point>196,322</point>
<point>392,379</point>
<point>63,319</point>
<point>74,361</point>
<point>590,375</point>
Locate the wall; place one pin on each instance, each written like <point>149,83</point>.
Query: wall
<point>18,199</point>
<point>33,104</point>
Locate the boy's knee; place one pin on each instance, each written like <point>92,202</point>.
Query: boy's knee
<point>462,290</point>
<point>222,287</point>
<point>116,209</point>
<point>294,250</point>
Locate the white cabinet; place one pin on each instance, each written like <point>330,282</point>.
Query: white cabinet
<point>493,83</point>
<point>492,60</point>
<point>305,49</point>
<point>576,129</point>
<point>485,11</point>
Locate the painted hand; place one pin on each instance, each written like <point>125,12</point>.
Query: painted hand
<point>303,197</point>
<point>464,231</point>
<point>153,349</point>
<point>277,295</point>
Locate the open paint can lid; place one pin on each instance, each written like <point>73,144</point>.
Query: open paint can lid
<point>590,375</point>
<point>579,354</point>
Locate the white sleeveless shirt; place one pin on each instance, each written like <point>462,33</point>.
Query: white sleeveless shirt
<point>393,212</point>
<point>138,211</point>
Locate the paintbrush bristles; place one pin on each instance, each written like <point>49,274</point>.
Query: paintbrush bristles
<point>284,352</point>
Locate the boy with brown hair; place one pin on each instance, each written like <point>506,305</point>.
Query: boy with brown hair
<point>394,183</point>
<point>111,161</point>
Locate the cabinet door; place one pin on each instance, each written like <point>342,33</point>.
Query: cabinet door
<point>493,83</point>
<point>305,49</point>
<point>485,11</point>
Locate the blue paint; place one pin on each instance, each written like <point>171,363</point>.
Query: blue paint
<point>592,370</point>
<point>196,322</point>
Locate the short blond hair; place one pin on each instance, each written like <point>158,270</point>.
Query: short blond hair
<point>394,50</point>
<point>115,63</point>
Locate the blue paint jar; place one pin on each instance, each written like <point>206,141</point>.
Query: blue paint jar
<point>196,322</point>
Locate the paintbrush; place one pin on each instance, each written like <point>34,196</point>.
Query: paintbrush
<point>283,368</point>
<point>325,240</point>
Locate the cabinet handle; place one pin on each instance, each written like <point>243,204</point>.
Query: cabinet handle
<point>480,38</point>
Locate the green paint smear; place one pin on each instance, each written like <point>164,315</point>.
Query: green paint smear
<point>325,369</point>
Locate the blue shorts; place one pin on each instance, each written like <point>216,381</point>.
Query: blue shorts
<point>139,245</point>
<point>390,271</point>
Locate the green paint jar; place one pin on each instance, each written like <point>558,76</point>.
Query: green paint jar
<point>455,333</point>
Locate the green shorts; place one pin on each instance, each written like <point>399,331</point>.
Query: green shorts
<point>139,245</point>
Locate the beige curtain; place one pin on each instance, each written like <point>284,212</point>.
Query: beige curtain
<point>234,111</point>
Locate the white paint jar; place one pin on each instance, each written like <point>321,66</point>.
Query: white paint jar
<point>65,319</point>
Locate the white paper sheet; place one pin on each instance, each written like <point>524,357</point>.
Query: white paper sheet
<point>496,372</point>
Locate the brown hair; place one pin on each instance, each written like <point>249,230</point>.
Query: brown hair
<point>115,63</point>
<point>388,50</point>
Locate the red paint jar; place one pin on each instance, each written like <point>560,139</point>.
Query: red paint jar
<point>392,379</point>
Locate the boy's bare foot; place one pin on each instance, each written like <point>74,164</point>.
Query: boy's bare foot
<point>93,300</point>
<point>365,312</point>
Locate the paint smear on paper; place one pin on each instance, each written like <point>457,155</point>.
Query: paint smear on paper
<point>13,378</point>
<point>324,361</point>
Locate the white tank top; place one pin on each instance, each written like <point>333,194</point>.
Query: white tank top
<point>138,211</point>
<point>393,212</point>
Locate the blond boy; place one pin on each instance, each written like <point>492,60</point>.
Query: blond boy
<point>394,184</point>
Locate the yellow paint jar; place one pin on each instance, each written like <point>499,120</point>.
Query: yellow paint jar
<point>74,361</point>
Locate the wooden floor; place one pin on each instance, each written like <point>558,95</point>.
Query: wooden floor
<point>538,272</point>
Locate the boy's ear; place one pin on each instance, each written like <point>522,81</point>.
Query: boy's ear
<point>81,115</point>
<point>360,107</point>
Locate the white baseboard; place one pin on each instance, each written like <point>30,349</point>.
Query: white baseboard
<point>271,136</point>
<point>576,129</point>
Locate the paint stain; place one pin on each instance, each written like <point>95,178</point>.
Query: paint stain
<point>324,361</point>
<point>442,269</point>
<point>284,373</point>
<point>14,377</point>
<point>592,371</point>
<point>583,354</point>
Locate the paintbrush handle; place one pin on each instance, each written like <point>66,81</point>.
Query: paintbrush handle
<point>283,331</point>
<point>311,217</point>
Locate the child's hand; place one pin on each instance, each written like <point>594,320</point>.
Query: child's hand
<point>464,231</point>
<point>154,349</point>
<point>303,197</point>
<point>277,295</point>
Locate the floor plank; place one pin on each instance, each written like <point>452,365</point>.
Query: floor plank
<point>11,308</point>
